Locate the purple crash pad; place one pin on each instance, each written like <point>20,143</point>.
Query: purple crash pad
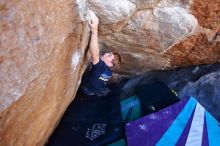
<point>183,123</point>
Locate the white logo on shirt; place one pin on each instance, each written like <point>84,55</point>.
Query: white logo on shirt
<point>104,77</point>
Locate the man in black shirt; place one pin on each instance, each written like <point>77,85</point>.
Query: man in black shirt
<point>94,82</point>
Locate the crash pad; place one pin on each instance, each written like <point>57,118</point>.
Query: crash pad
<point>183,123</point>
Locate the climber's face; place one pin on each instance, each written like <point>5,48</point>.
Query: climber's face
<point>108,58</point>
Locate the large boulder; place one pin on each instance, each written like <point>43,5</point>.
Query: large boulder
<point>42,58</point>
<point>159,35</point>
<point>43,52</point>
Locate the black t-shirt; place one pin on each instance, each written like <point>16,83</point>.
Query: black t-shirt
<point>96,79</point>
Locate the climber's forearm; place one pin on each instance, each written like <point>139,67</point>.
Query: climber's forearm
<point>94,47</point>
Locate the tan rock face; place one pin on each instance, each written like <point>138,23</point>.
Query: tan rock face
<point>43,43</point>
<point>163,34</point>
<point>42,51</point>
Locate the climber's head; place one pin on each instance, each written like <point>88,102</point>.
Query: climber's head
<point>111,59</point>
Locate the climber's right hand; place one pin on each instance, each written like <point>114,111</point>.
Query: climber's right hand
<point>94,22</point>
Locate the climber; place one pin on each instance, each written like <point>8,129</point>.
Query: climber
<point>94,82</point>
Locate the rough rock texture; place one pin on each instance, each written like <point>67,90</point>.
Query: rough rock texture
<point>43,43</point>
<point>160,34</point>
<point>42,51</point>
<point>206,89</point>
<point>207,13</point>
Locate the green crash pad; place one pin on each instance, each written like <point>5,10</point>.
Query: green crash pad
<point>130,109</point>
<point>120,142</point>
